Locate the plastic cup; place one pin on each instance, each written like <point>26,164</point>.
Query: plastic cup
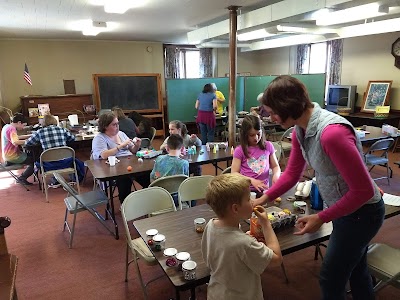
<point>253,195</point>
<point>199,225</point>
<point>111,160</point>
<point>181,257</point>
<point>189,269</point>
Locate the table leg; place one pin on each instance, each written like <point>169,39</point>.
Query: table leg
<point>109,193</point>
<point>178,295</point>
<point>193,294</point>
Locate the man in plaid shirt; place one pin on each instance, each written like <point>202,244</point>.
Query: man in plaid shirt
<point>50,136</point>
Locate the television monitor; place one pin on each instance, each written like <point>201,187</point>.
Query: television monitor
<point>343,96</point>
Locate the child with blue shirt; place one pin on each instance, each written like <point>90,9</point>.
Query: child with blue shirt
<point>171,163</point>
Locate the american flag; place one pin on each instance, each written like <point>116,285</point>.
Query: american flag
<point>27,77</point>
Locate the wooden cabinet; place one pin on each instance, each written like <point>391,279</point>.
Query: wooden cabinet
<point>60,105</point>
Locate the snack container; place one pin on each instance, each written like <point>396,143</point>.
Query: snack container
<point>189,270</point>
<point>170,253</point>
<point>149,235</point>
<point>199,225</point>
<point>159,242</point>
<point>181,257</point>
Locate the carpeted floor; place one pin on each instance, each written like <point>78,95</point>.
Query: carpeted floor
<point>94,268</point>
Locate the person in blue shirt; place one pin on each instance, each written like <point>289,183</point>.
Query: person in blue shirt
<point>171,163</point>
<point>206,104</point>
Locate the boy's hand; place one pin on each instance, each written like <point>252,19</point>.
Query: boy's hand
<point>261,214</point>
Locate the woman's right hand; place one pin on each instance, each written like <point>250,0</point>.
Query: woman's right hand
<point>259,185</point>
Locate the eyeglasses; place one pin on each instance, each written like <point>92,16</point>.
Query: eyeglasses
<point>115,124</point>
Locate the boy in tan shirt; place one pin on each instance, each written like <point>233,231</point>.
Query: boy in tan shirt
<point>235,259</point>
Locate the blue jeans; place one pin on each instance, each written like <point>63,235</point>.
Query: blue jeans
<point>345,259</point>
<point>207,133</point>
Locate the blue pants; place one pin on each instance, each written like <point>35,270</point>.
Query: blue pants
<point>207,133</point>
<point>345,258</point>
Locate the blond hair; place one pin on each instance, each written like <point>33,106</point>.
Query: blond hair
<point>49,120</point>
<point>225,190</point>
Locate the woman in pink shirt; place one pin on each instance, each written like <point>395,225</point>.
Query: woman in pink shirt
<point>254,157</point>
<point>328,143</point>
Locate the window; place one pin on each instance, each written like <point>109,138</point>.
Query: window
<point>317,59</point>
<point>191,62</point>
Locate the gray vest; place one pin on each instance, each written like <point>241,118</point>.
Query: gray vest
<point>330,183</point>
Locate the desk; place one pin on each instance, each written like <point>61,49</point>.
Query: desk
<point>375,134</point>
<point>179,224</point>
<point>106,174</point>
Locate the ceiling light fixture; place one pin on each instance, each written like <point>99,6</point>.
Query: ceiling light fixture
<point>288,41</point>
<point>254,35</point>
<point>350,14</point>
<point>299,29</point>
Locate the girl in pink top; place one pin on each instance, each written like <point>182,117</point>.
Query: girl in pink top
<point>255,156</point>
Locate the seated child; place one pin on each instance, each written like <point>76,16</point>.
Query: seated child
<point>235,259</point>
<point>171,163</point>
<point>177,127</point>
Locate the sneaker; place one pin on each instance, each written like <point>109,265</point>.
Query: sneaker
<point>72,183</point>
<point>23,181</point>
<point>54,185</point>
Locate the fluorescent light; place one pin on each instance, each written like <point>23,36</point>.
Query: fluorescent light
<point>350,14</point>
<point>254,35</point>
<point>311,30</point>
<point>379,27</point>
<point>288,41</point>
<point>93,31</point>
<point>92,28</point>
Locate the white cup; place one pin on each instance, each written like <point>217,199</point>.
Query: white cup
<point>253,195</point>
<point>111,160</point>
<point>189,270</point>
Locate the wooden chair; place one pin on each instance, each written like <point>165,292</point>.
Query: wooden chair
<point>138,204</point>
<point>153,134</point>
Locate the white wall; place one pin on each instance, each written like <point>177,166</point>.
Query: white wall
<point>50,62</point>
<point>369,58</point>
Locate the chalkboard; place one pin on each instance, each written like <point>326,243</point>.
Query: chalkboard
<point>315,84</point>
<point>182,95</point>
<point>139,92</point>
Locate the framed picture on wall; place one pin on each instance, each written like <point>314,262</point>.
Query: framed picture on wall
<point>377,94</point>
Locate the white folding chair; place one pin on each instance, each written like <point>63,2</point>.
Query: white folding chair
<point>138,204</point>
<point>193,188</point>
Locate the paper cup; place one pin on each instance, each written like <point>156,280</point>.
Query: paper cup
<point>111,160</point>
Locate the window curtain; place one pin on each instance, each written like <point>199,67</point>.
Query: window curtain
<point>172,62</point>
<point>335,63</point>
<point>303,52</point>
<point>205,62</point>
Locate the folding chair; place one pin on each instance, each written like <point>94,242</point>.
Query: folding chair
<point>384,264</point>
<point>193,188</point>
<point>10,168</point>
<point>170,183</point>
<point>136,205</point>
<point>54,155</point>
<point>76,203</point>
<point>285,146</point>
<point>153,134</point>
<point>382,160</point>
<point>146,143</point>
<point>227,170</point>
